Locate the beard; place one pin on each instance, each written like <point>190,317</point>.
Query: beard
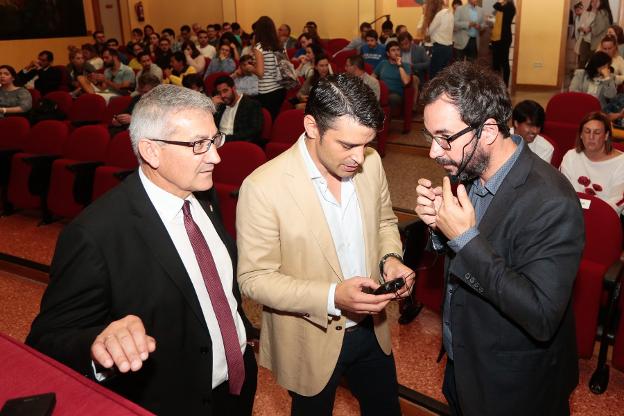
<point>474,167</point>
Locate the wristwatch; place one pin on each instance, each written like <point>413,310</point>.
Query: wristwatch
<point>382,262</point>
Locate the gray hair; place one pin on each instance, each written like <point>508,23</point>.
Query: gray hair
<point>151,117</point>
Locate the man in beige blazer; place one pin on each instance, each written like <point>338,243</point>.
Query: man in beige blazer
<point>314,228</point>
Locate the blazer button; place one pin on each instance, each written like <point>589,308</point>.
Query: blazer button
<point>338,328</point>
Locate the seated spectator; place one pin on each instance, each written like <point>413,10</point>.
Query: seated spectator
<point>77,69</point>
<point>148,67</point>
<point>91,56</point>
<point>239,117</point>
<point>46,78</point>
<point>387,33</point>
<point>598,80</point>
<point>118,79</point>
<point>228,38</point>
<point>357,43</point>
<point>321,70</point>
<point>245,80</point>
<point>415,55</point>
<point>136,36</point>
<point>185,35</point>
<point>204,47</point>
<point>528,121</point>
<point>236,31</point>
<point>304,41</point>
<point>594,167</point>
<point>608,45</point>
<point>169,34</point>
<point>13,100</point>
<point>99,41</point>
<point>355,66</point>
<point>163,53</point>
<point>395,73</point>
<point>120,122</point>
<point>114,44</point>
<point>137,49</point>
<point>154,44</point>
<point>618,33</point>
<point>193,57</point>
<point>248,44</point>
<point>147,33</point>
<point>194,82</point>
<point>307,61</point>
<point>287,41</point>
<point>400,29</point>
<point>222,62</point>
<point>373,52</point>
<point>178,70</point>
<point>213,35</point>
<point>196,29</point>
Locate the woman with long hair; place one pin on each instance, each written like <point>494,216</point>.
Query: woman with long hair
<point>618,33</point>
<point>597,80</point>
<point>321,70</point>
<point>13,99</point>
<point>502,37</point>
<point>438,27</point>
<point>270,93</point>
<point>193,57</point>
<point>595,22</point>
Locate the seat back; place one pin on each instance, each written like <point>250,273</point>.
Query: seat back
<point>288,126</point>
<point>13,132</point>
<point>46,138</point>
<point>335,45</point>
<point>210,80</point>
<point>267,125</point>
<point>570,107</point>
<point>87,144</point>
<point>603,232</point>
<point>119,152</point>
<point>339,61</point>
<point>117,105</point>
<point>238,160</point>
<point>557,154</point>
<point>88,108</point>
<point>65,83</point>
<point>62,99</point>
<point>35,95</point>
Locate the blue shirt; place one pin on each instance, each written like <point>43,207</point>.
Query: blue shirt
<point>472,32</point>
<point>389,73</point>
<point>374,55</point>
<point>481,195</point>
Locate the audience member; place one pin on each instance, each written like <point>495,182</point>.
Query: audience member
<point>618,33</point>
<point>177,70</point>
<point>193,57</point>
<point>514,242</point>
<point>204,47</point>
<point>387,33</point>
<point>373,52</point>
<point>91,56</point>
<point>244,77</point>
<point>400,29</point>
<point>270,93</point>
<point>468,21</point>
<point>528,121</point>
<point>185,35</point>
<point>319,323</point>
<point>320,71</point>
<point>609,46</point>
<point>136,36</point>
<point>306,67</point>
<point>357,43</point>
<point>283,33</point>
<point>415,55</point>
<point>78,71</point>
<point>355,66</point>
<point>596,79</point>
<point>229,39</point>
<point>120,122</point>
<point>236,31</point>
<point>148,67</point>
<point>222,62</point>
<point>46,78</point>
<point>213,35</point>
<point>226,28</point>
<point>594,167</point>
<point>304,41</point>
<point>238,116</point>
<point>118,79</point>
<point>395,73</point>
<point>154,44</point>
<point>170,35</point>
<point>502,37</point>
<point>142,281</point>
<point>247,42</point>
<point>438,25</point>
<point>194,82</point>
<point>163,53</point>
<point>147,32</point>
<point>136,49</point>
<point>99,41</point>
<point>114,44</point>
<point>196,29</point>
<point>594,24</point>
<point>13,99</point>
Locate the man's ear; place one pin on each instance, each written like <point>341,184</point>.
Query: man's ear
<point>150,151</point>
<point>489,131</point>
<point>311,129</point>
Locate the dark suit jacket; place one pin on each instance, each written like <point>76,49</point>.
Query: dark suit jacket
<point>117,259</point>
<point>49,80</point>
<point>247,122</point>
<point>514,341</point>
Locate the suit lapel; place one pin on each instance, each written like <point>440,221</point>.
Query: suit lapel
<point>303,193</point>
<point>153,232</point>
<point>366,203</point>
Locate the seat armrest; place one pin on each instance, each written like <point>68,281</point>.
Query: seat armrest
<point>613,274</point>
<point>40,159</point>
<point>83,167</point>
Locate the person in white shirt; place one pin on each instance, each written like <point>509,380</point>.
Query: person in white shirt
<point>528,118</point>
<point>203,45</point>
<point>609,46</point>
<point>594,167</point>
<point>438,26</point>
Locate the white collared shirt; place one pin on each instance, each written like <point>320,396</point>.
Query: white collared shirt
<point>227,119</point>
<point>441,28</point>
<point>540,146</point>
<point>169,208</point>
<point>345,224</point>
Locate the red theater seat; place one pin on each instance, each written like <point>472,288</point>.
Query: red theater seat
<point>120,160</point>
<point>62,99</point>
<point>339,61</point>
<point>117,105</point>
<point>13,133</point>
<point>210,80</point>
<point>71,182</point>
<point>267,125</point>
<point>335,45</point>
<point>287,128</point>
<point>88,109</point>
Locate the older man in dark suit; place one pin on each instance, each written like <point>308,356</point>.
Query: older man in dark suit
<point>514,241</point>
<point>142,292</point>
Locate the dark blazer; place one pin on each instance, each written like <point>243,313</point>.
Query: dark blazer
<point>247,122</point>
<point>49,79</point>
<point>514,342</point>
<point>117,259</point>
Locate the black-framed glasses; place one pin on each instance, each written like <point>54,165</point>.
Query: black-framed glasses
<point>445,142</point>
<point>199,146</point>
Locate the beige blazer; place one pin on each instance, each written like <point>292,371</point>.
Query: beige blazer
<point>287,262</point>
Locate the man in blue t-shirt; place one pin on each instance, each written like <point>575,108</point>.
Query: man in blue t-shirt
<point>373,52</point>
<point>395,73</point>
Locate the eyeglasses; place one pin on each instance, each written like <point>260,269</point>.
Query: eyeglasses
<point>199,146</point>
<point>445,142</point>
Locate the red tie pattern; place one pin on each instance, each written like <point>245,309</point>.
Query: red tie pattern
<point>220,305</point>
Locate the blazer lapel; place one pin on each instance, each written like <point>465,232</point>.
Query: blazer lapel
<point>303,193</point>
<point>153,232</point>
<point>366,202</point>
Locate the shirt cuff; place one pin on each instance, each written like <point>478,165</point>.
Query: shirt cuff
<point>103,374</point>
<point>331,305</point>
<point>458,243</point>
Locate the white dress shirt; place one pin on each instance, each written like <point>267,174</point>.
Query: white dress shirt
<point>441,27</point>
<point>345,224</point>
<point>227,119</point>
<point>169,208</point>
<point>540,146</point>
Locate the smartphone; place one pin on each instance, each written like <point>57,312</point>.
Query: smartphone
<point>39,405</point>
<point>391,286</point>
